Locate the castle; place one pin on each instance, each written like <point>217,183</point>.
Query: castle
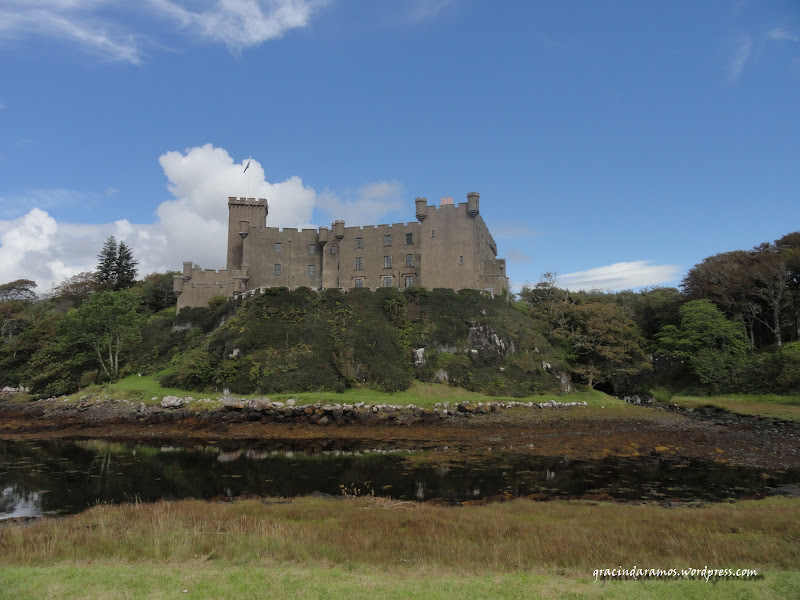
<point>449,247</point>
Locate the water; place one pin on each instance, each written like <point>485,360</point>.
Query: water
<point>58,477</point>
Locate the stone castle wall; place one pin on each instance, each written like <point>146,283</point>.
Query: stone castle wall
<point>449,246</point>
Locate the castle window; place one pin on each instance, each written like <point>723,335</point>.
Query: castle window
<point>312,248</point>
<point>387,240</point>
<point>409,281</point>
<point>409,260</point>
<point>311,270</point>
<point>277,271</point>
<point>433,233</point>
<point>359,264</point>
<point>333,249</point>
<point>387,282</point>
<point>359,243</point>
<point>278,248</point>
<point>359,282</point>
<point>461,260</point>
<point>387,262</point>
<point>409,239</point>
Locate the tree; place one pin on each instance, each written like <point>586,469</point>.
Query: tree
<point>771,277</point>
<point>116,268</point>
<point>125,268</point>
<point>727,279</point>
<point>106,272</point>
<point>789,247</point>
<point>714,347</point>
<point>156,290</point>
<point>14,296</point>
<point>603,344</point>
<point>104,325</point>
<point>76,289</point>
<point>19,290</point>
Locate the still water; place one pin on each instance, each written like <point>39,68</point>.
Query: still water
<point>49,477</point>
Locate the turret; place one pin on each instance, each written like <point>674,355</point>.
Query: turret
<point>472,204</point>
<point>422,208</point>
<point>338,229</point>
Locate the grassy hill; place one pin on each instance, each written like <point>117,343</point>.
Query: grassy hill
<point>302,340</point>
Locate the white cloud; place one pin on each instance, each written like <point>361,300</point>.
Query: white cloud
<point>619,276</point>
<point>781,34</point>
<point>75,21</point>
<point>743,49</point>
<point>193,225</point>
<point>102,26</point>
<point>367,206</point>
<point>196,221</point>
<point>240,23</point>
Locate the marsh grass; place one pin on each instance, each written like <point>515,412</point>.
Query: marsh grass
<point>384,534</point>
<point>774,406</point>
<point>374,547</point>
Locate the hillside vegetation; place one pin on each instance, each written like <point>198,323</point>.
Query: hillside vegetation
<point>734,327</point>
<point>302,340</point>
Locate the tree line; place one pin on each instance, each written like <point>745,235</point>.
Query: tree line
<point>732,325</point>
<point>82,328</point>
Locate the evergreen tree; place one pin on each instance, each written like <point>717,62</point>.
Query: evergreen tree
<point>125,268</point>
<point>106,272</point>
<point>116,268</point>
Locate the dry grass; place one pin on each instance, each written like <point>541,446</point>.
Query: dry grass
<point>786,408</point>
<point>379,533</point>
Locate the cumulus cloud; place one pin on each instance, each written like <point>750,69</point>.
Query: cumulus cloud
<point>192,225</point>
<point>103,27</point>
<point>619,276</point>
<point>201,179</point>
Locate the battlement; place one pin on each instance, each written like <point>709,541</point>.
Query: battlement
<point>234,201</point>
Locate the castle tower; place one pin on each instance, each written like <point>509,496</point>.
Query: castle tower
<point>472,204</point>
<point>243,213</point>
<point>421,205</point>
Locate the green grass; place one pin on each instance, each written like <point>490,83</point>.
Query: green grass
<point>426,395</point>
<point>774,406</point>
<point>375,547</point>
<point>238,582</point>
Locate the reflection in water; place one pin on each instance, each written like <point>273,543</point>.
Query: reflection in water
<point>15,502</point>
<point>66,477</point>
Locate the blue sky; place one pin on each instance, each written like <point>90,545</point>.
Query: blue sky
<point>614,143</point>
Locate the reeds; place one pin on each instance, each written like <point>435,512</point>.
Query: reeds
<point>379,533</point>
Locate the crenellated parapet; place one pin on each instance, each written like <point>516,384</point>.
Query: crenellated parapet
<point>195,287</point>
